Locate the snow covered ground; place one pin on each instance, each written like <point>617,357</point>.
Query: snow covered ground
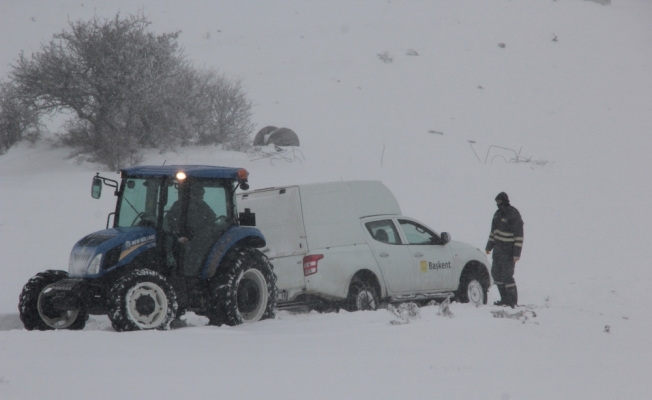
<point>578,109</point>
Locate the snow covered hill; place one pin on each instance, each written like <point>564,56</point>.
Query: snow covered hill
<point>566,84</point>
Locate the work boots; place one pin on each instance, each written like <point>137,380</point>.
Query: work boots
<point>503,295</point>
<point>512,295</point>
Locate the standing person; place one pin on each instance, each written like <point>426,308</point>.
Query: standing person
<point>506,241</point>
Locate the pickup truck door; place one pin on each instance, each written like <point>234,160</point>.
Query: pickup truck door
<point>431,259</point>
<point>393,257</point>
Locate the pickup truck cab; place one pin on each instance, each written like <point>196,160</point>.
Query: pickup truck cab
<point>347,244</point>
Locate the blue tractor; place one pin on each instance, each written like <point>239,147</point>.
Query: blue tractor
<point>177,244</point>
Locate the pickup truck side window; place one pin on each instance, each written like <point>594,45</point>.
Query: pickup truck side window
<point>383,231</point>
<point>418,234</point>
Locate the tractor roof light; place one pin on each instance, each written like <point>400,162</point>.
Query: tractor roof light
<point>242,179</point>
<point>243,175</point>
<point>181,176</point>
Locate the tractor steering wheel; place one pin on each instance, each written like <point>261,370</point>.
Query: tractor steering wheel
<point>221,220</point>
<point>138,216</point>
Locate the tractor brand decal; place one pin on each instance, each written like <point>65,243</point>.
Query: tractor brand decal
<point>427,265</point>
<point>132,245</point>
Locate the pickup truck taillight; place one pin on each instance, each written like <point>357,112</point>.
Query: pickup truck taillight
<point>310,264</point>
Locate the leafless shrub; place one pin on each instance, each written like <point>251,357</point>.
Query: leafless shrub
<point>385,57</point>
<point>221,111</point>
<point>19,120</point>
<point>523,315</point>
<point>444,308</point>
<point>128,89</point>
<point>405,312</point>
<point>508,155</point>
<point>277,153</point>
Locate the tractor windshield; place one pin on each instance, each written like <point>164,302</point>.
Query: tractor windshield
<point>138,205</point>
<point>139,201</point>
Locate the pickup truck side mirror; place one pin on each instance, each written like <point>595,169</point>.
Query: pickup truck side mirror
<point>445,237</point>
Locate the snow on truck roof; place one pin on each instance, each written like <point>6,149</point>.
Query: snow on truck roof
<point>194,171</point>
<point>361,198</point>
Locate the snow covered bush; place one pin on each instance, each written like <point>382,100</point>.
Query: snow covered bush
<point>444,308</point>
<point>523,315</point>
<point>127,89</point>
<point>405,312</point>
<point>385,57</point>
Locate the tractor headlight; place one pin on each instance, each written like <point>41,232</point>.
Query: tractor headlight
<point>94,266</point>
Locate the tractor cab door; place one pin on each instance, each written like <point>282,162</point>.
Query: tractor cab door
<point>196,215</point>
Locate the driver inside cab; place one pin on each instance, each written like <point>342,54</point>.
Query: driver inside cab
<point>195,238</point>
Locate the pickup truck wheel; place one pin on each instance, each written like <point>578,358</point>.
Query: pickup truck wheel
<point>471,291</point>
<point>244,289</point>
<point>142,299</point>
<point>362,296</point>
<point>36,311</point>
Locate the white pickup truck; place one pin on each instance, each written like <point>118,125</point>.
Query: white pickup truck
<point>346,244</point>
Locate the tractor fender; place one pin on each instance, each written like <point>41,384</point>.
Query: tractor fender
<point>251,237</point>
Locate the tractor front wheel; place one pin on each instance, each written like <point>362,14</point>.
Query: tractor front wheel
<point>141,300</point>
<point>38,312</point>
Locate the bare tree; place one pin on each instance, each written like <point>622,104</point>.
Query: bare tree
<point>18,118</point>
<point>223,111</point>
<point>110,74</point>
<point>128,89</point>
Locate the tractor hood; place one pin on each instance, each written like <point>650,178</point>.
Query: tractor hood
<point>104,250</point>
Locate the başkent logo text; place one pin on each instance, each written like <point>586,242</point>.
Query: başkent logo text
<point>439,265</point>
<point>427,265</point>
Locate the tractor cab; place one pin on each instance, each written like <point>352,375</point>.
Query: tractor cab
<point>189,213</point>
<point>177,244</point>
<point>186,208</point>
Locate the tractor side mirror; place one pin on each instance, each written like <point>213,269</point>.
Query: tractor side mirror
<point>445,237</point>
<point>247,218</point>
<point>96,188</point>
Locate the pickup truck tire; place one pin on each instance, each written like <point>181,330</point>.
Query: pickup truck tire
<point>34,310</point>
<point>471,290</point>
<point>142,300</point>
<point>362,296</point>
<point>244,289</point>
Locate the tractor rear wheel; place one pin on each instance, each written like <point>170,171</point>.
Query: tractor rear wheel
<point>141,300</point>
<point>36,310</point>
<point>243,289</point>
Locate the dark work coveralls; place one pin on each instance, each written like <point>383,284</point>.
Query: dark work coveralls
<point>506,241</point>
<point>199,230</point>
